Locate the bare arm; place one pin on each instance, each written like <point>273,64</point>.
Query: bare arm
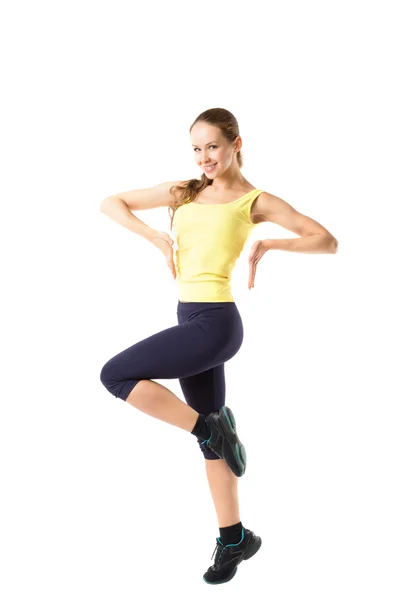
<point>119,206</point>
<point>315,238</point>
<point>118,211</point>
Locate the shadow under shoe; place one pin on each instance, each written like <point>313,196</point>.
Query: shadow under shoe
<point>230,556</point>
<point>224,440</point>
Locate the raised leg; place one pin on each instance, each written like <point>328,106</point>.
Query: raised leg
<point>157,401</point>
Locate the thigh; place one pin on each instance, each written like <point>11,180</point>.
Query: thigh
<point>177,352</point>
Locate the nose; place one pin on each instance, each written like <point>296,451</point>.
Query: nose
<point>205,160</point>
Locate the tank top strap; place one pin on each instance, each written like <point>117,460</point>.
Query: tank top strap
<point>244,204</point>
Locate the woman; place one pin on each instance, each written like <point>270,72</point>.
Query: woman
<point>212,217</point>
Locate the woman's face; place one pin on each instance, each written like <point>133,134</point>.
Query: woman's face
<point>210,147</point>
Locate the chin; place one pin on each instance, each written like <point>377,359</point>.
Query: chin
<point>209,175</point>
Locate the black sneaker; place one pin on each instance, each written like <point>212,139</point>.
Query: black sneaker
<point>230,556</point>
<point>224,440</point>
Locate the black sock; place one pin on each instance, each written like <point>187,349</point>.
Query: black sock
<point>231,534</point>
<point>201,429</point>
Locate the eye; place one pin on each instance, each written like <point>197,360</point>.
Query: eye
<point>212,146</point>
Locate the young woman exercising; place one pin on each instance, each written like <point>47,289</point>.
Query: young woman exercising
<point>213,217</point>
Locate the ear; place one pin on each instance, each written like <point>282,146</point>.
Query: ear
<point>238,144</point>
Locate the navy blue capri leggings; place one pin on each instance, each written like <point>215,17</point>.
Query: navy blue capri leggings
<point>208,335</point>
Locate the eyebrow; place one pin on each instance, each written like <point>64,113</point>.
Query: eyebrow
<point>214,142</point>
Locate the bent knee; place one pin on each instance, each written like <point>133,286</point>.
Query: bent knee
<point>114,383</point>
<point>106,374</point>
<point>110,380</point>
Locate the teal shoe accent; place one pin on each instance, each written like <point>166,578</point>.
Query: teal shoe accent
<point>241,540</point>
<point>228,418</point>
<point>206,441</point>
<point>239,459</point>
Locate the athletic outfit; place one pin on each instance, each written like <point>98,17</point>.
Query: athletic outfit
<point>210,239</point>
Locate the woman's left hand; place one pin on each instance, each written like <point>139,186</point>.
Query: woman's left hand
<point>258,249</point>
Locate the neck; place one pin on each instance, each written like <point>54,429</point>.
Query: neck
<point>229,181</point>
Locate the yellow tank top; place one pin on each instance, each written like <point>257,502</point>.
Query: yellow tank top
<point>210,239</point>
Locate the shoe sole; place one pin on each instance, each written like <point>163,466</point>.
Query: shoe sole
<point>250,551</point>
<point>228,424</point>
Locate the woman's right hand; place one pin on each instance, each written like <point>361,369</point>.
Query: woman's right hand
<point>165,243</point>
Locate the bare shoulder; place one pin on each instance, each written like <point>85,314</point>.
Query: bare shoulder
<point>162,194</point>
<point>268,207</point>
<point>259,208</point>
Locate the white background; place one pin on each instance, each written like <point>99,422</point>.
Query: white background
<point>98,499</point>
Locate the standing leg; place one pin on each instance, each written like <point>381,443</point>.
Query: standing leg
<point>224,491</point>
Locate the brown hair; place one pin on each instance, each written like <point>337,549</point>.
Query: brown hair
<point>189,189</point>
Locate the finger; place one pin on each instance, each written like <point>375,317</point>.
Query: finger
<point>250,283</point>
<point>251,275</point>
